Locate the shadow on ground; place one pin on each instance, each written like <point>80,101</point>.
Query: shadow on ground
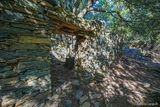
<point>127,84</point>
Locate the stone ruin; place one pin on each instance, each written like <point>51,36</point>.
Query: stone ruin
<point>26,27</point>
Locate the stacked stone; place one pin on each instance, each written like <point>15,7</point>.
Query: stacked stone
<point>24,66</point>
<point>93,54</point>
<point>39,16</point>
<point>25,29</point>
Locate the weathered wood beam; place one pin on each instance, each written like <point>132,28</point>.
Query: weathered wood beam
<point>38,16</point>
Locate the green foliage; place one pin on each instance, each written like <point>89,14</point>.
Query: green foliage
<point>130,21</point>
<point>138,20</point>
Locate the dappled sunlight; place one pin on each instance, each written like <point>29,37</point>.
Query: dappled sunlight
<point>124,84</point>
<point>129,81</point>
<point>79,53</point>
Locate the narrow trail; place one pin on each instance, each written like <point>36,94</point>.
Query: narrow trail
<point>128,83</point>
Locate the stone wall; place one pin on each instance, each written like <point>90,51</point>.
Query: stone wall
<point>42,17</point>
<point>24,66</point>
<point>93,54</point>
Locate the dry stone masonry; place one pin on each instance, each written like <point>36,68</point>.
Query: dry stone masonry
<point>34,31</point>
<point>38,16</point>
<point>93,54</point>
<point>26,27</point>
<point>24,66</point>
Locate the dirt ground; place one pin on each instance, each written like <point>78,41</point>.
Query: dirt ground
<point>127,83</point>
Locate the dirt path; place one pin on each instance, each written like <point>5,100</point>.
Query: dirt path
<point>128,83</point>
